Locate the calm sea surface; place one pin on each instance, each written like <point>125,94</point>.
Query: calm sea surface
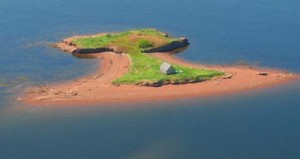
<point>260,124</point>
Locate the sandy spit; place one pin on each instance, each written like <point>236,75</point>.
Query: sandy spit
<point>97,88</point>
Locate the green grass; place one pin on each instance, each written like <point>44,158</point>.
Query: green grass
<point>145,44</point>
<point>99,41</point>
<point>145,68</point>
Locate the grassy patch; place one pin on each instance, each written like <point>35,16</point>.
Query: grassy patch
<point>99,41</point>
<point>145,68</point>
<point>145,44</point>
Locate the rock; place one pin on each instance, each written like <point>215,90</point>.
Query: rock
<point>153,84</point>
<point>228,76</point>
<point>41,90</point>
<point>263,73</point>
<point>72,92</point>
<point>117,50</point>
<point>179,43</point>
<point>54,92</point>
<point>98,76</point>
<point>37,90</point>
<point>93,50</point>
<point>166,35</point>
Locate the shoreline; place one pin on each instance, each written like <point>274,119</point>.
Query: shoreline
<point>97,88</point>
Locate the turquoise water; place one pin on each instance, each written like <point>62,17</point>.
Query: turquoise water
<point>253,124</point>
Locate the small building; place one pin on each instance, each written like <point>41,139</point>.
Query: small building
<point>167,69</point>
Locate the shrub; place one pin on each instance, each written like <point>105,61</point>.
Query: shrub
<point>145,44</point>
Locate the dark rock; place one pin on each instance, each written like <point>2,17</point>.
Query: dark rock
<point>93,50</point>
<point>263,73</point>
<point>180,43</point>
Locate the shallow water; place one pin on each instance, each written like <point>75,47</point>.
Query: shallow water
<point>252,124</point>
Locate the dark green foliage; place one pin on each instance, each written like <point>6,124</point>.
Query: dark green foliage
<point>145,44</point>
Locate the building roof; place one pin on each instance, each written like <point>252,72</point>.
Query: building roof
<point>167,68</point>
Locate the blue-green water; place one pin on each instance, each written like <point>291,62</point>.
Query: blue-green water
<point>262,124</point>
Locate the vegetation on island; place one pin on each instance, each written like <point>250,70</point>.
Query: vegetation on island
<point>144,67</point>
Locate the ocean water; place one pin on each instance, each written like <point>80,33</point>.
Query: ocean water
<point>260,124</point>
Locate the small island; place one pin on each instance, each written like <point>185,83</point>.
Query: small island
<point>138,46</point>
<point>139,65</point>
